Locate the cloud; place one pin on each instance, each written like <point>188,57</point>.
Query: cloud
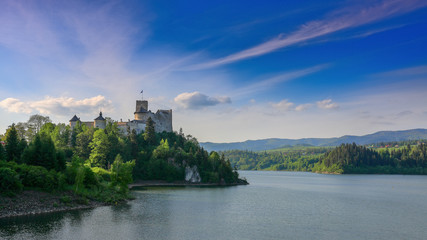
<point>62,106</point>
<point>280,78</point>
<point>303,107</point>
<point>343,19</point>
<point>283,105</point>
<point>327,104</point>
<point>196,100</point>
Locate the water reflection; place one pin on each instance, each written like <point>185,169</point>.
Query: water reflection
<point>40,225</point>
<point>276,205</point>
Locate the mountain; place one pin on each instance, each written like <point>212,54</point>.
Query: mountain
<point>272,143</point>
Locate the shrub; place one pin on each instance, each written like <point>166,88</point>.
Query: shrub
<point>38,177</point>
<point>103,174</point>
<point>9,181</point>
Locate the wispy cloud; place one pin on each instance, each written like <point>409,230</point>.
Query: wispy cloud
<point>62,106</point>
<point>405,72</point>
<point>280,78</point>
<point>343,19</point>
<point>196,100</point>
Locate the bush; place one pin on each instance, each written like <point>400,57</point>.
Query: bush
<point>9,181</point>
<point>103,175</point>
<point>38,177</point>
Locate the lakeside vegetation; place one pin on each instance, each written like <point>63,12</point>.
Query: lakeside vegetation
<point>100,163</point>
<point>406,157</point>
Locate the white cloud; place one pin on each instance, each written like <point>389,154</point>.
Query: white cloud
<point>196,100</point>
<point>283,105</point>
<point>340,20</point>
<point>62,106</point>
<point>303,107</point>
<point>14,105</point>
<point>327,104</point>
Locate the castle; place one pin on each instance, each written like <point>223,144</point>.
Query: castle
<point>162,120</point>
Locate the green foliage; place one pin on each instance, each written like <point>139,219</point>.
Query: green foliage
<point>150,133</point>
<point>100,148</point>
<point>82,142</point>
<point>38,177</point>
<point>13,152</point>
<point>351,158</point>
<point>65,199</point>
<point>121,173</point>
<point>9,181</point>
<point>103,175</point>
<point>42,152</point>
<point>288,159</point>
<point>2,153</point>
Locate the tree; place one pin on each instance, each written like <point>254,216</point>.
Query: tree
<point>21,128</point>
<point>2,152</point>
<point>12,144</point>
<point>121,173</point>
<point>100,149</point>
<point>37,121</point>
<point>82,146</point>
<point>150,133</point>
<point>42,152</point>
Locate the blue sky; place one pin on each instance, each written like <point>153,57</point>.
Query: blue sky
<point>230,70</point>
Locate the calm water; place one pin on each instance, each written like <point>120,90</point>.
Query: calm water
<point>277,205</point>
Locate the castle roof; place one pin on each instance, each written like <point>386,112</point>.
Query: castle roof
<point>100,117</point>
<point>74,119</point>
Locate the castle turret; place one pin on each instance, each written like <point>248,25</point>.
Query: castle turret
<point>100,122</point>
<point>73,121</point>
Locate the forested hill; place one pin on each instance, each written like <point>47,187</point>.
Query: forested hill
<point>272,143</point>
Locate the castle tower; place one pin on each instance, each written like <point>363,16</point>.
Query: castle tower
<point>100,122</point>
<point>73,121</point>
<point>141,110</point>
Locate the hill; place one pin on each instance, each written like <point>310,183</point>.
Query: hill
<point>273,143</point>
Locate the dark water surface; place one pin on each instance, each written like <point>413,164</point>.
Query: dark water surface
<point>277,205</point>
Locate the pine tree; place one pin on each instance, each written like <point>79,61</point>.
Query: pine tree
<point>2,153</point>
<point>12,144</point>
<point>150,133</point>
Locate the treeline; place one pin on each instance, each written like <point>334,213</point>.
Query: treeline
<point>397,143</point>
<point>290,160</point>
<point>99,163</point>
<point>351,158</point>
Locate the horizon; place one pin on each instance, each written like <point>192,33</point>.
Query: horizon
<point>230,72</point>
<point>404,130</point>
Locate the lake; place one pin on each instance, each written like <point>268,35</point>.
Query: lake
<point>276,205</point>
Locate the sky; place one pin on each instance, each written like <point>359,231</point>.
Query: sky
<point>229,70</point>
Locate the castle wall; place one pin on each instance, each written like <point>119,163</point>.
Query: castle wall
<point>163,120</point>
<point>88,124</point>
<point>100,124</point>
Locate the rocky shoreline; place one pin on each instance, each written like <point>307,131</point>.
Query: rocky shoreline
<point>31,202</point>
<point>35,202</point>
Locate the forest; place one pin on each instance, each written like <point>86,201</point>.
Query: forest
<point>406,157</point>
<point>100,163</point>
<point>287,159</point>
<point>351,158</point>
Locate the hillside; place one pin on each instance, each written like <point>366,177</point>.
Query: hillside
<point>272,143</point>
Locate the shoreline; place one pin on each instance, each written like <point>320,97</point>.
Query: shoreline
<point>160,183</point>
<point>31,203</point>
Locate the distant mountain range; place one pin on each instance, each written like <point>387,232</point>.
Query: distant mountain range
<point>273,143</point>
